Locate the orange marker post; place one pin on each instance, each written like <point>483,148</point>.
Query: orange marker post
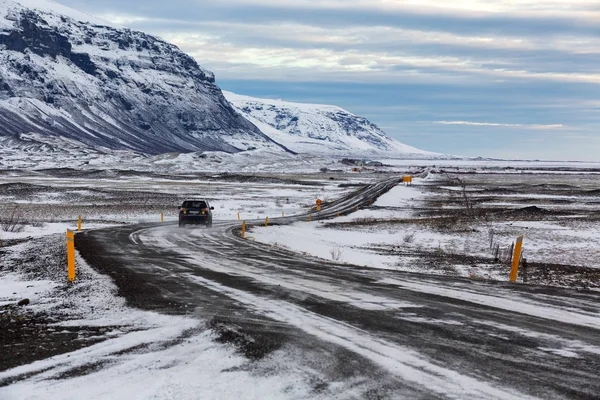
<point>79,224</point>
<point>70,255</point>
<point>516,259</point>
<point>267,221</point>
<point>244,229</point>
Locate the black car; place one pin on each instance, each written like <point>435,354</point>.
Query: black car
<point>195,212</point>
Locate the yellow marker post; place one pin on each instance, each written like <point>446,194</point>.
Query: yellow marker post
<point>238,216</point>
<point>356,208</point>
<point>309,216</point>
<point>244,229</point>
<point>79,224</point>
<point>162,217</point>
<point>70,255</point>
<point>338,214</point>
<point>267,221</point>
<point>516,259</point>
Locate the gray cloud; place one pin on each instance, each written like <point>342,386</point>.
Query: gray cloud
<point>509,23</point>
<point>498,78</point>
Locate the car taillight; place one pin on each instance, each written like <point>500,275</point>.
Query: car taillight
<point>206,209</point>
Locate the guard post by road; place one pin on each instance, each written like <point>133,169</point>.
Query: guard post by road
<point>319,202</point>
<point>71,255</point>
<point>516,259</point>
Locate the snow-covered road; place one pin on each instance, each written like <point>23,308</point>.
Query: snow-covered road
<point>319,329</point>
<point>414,335</point>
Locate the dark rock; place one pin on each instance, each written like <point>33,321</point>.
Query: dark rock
<point>23,302</point>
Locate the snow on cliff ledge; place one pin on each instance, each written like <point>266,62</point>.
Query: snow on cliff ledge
<point>319,129</point>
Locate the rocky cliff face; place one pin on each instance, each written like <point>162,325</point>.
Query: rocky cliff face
<point>110,87</point>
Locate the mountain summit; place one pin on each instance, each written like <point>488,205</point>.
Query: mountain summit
<point>318,128</point>
<point>65,73</point>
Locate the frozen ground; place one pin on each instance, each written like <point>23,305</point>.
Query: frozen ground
<point>427,227</point>
<point>158,356</point>
<point>118,352</point>
<point>84,340</point>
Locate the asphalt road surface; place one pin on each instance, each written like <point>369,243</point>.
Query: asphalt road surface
<point>396,334</point>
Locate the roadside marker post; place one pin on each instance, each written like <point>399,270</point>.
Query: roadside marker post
<point>338,214</point>
<point>70,255</point>
<point>243,229</point>
<point>319,202</point>
<point>267,221</point>
<point>282,213</point>
<point>162,217</point>
<point>79,224</point>
<point>239,216</point>
<point>309,216</point>
<point>516,259</point>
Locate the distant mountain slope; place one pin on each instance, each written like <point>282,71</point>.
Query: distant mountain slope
<point>110,87</point>
<point>319,129</point>
<point>36,151</point>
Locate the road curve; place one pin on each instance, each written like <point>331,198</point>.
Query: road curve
<point>392,334</point>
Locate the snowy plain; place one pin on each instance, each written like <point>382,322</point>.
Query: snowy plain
<point>148,364</point>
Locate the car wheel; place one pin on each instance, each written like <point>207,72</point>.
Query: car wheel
<point>209,225</point>
<point>182,224</point>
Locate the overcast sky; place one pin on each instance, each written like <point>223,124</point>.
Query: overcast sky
<point>496,78</point>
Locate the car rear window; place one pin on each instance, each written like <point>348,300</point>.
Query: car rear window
<point>194,204</point>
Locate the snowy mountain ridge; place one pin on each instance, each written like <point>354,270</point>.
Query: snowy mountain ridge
<point>319,128</point>
<point>66,74</point>
<point>109,87</point>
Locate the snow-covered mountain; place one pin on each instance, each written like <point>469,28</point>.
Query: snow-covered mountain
<point>319,129</point>
<point>65,73</point>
